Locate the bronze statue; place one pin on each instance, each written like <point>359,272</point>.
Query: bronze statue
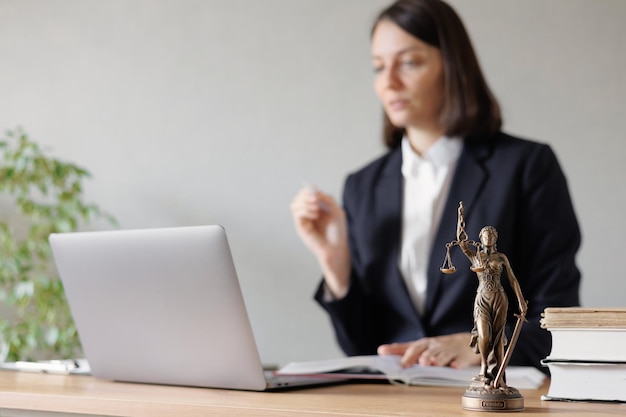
<point>488,390</point>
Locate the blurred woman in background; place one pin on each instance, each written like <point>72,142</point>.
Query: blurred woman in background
<point>380,251</point>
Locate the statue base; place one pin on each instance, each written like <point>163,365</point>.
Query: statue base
<point>479,397</point>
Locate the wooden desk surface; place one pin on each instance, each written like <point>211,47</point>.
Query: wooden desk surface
<point>82,395</point>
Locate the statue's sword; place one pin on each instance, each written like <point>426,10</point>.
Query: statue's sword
<point>507,356</point>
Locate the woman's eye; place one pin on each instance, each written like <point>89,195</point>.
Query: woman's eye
<point>377,67</point>
<point>410,63</point>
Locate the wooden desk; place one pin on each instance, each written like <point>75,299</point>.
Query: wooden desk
<point>25,394</point>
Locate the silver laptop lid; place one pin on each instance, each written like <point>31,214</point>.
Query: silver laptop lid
<point>159,306</point>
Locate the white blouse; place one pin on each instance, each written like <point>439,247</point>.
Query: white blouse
<point>427,180</point>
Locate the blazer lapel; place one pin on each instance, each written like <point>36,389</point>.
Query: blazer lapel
<point>389,207</point>
<point>469,180</point>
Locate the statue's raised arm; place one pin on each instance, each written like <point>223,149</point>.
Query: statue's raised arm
<point>465,244</point>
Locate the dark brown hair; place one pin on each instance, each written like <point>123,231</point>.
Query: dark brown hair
<point>469,109</point>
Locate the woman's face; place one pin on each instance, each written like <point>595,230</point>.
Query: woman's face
<point>409,76</point>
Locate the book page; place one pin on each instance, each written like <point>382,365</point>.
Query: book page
<point>389,365</point>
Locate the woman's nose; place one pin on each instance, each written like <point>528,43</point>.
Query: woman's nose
<point>392,79</point>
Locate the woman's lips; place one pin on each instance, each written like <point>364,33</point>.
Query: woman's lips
<point>397,105</point>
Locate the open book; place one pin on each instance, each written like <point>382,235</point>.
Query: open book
<point>388,367</point>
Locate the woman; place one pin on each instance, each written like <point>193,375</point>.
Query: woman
<point>380,253</point>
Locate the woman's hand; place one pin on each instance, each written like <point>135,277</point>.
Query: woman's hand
<point>321,224</point>
<point>450,350</point>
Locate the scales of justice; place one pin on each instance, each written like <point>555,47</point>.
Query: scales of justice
<point>488,390</point>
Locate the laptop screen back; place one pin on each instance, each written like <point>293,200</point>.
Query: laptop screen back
<point>159,306</point>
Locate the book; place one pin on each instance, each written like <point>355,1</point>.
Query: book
<point>586,381</point>
<point>588,344</point>
<point>586,334</point>
<point>582,317</point>
<point>388,367</point>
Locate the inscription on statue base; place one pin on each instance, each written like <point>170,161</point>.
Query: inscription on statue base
<point>479,397</point>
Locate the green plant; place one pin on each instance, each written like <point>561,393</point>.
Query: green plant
<point>39,195</point>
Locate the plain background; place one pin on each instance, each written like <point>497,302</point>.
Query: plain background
<point>193,112</point>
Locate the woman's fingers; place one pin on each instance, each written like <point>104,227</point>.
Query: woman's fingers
<point>393,349</point>
<point>449,350</point>
<point>410,351</point>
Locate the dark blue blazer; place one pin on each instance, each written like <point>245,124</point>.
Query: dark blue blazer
<point>512,184</point>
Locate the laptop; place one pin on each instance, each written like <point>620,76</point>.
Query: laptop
<point>162,306</point>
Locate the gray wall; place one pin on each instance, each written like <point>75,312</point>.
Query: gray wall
<point>215,111</point>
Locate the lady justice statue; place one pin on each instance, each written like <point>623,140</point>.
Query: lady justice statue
<point>488,390</point>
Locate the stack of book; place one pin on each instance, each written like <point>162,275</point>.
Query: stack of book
<point>588,357</point>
